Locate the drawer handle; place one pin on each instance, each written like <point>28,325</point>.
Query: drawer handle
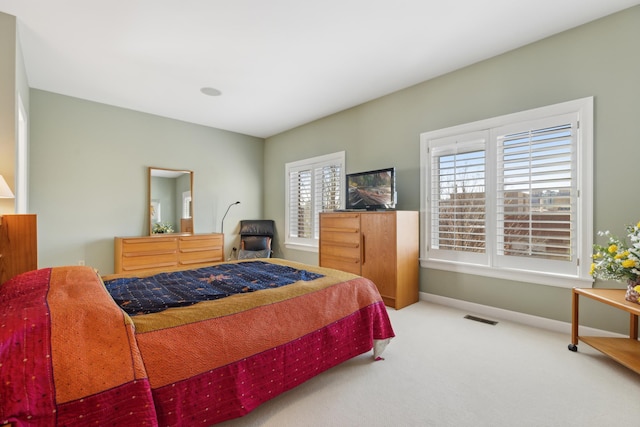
<point>363,251</point>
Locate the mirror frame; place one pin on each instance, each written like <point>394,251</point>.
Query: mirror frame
<point>168,173</point>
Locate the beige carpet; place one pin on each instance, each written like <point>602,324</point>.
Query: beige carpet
<point>444,370</point>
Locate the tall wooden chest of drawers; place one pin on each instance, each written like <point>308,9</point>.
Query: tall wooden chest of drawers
<point>381,246</point>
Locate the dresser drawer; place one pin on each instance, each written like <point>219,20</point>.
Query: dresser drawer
<point>337,249</point>
<point>145,262</point>
<point>201,249</point>
<point>343,263</point>
<point>148,246</point>
<point>342,223</point>
<point>201,257</point>
<point>200,243</point>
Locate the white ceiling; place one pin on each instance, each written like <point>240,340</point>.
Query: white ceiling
<point>278,63</point>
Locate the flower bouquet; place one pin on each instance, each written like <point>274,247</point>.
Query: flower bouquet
<point>619,260</point>
<point>162,227</point>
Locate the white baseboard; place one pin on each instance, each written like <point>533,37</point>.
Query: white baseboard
<point>512,316</point>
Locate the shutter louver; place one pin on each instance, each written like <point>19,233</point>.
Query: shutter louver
<point>458,208</point>
<point>328,183</point>
<point>536,197</point>
<point>301,207</point>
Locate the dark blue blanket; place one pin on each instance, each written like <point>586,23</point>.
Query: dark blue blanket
<point>181,288</point>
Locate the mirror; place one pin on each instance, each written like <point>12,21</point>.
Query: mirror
<point>170,201</point>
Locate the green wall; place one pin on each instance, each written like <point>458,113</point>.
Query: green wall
<point>88,176</point>
<point>598,59</point>
<point>88,161</point>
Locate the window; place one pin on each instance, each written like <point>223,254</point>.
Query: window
<point>458,193</point>
<point>22,169</point>
<point>511,196</point>
<point>186,204</point>
<point>312,186</point>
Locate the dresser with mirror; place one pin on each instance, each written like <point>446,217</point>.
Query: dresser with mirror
<point>171,241</point>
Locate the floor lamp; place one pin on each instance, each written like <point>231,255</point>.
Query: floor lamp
<point>225,215</point>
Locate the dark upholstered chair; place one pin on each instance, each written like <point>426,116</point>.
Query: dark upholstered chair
<point>256,236</point>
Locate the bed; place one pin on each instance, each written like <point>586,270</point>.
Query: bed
<point>70,355</point>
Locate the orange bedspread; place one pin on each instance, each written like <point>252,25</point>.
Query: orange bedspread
<point>215,333</point>
<point>70,356</point>
<point>220,359</point>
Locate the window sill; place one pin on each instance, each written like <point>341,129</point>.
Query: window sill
<point>547,279</point>
<point>301,247</point>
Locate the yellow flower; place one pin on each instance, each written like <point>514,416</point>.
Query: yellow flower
<point>615,260</point>
<point>637,289</point>
<point>621,255</point>
<point>628,263</point>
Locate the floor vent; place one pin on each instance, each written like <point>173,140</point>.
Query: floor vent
<point>480,319</point>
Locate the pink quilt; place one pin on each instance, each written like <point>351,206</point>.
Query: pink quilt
<point>70,356</point>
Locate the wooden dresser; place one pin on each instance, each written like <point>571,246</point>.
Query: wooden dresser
<point>381,246</point>
<point>18,245</point>
<point>167,250</point>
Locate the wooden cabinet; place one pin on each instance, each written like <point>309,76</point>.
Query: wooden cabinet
<point>160,251</point>
<point>381,246</point>
<point>18,245</point>
<point>625,351</point>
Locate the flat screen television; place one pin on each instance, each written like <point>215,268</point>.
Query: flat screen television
<point>372,190</point>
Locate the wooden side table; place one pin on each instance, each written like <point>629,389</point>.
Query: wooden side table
<point>625,351</point>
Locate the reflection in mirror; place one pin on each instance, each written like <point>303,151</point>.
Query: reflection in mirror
<point>170,201</point>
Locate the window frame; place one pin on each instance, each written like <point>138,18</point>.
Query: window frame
<point>337,159</point>
<point>583,111</point>
<point>186,204</point>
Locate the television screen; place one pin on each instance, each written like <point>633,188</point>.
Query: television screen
<point>372,189</point>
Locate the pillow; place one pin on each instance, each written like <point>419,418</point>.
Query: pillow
<point>244,254</point>
<point>256,243</point>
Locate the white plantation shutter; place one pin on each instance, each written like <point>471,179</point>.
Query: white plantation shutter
<point>313,186</point>
<point>457,197</point>
<point>328,189</point>
<point>300,205</point>
<point>512,196</point>
<point>536,197</point>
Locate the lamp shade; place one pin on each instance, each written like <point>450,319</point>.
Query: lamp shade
<point>5,191</point>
